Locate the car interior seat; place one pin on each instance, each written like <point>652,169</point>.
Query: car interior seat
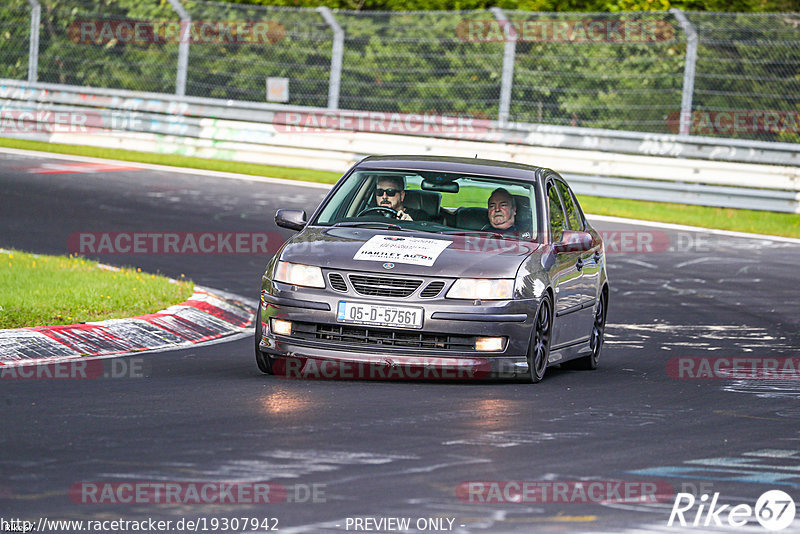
<point>471,218</point>
<point>523,219</point>
<point>428,201</point>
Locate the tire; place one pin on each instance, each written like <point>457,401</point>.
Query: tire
<point>589,363</point>
<point>262,360</point>
<point>539,349</point>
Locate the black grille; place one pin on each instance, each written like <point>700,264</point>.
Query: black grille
<point>433,289</point>
<point>360,335</point>
<point>383,286</point>
<point>337,282</point>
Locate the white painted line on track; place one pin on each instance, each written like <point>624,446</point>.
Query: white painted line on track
<point>671,226</point>
<point>300,183</point>
<point>694,261</point>
<point>167,168</point>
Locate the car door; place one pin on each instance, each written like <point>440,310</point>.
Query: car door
<point>590,259</point>
<point>566,278</point>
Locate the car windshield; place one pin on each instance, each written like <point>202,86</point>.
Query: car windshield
<point>434,202</point>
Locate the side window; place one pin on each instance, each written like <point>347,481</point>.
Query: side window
<point>556,214</point>
<point>574,218</point>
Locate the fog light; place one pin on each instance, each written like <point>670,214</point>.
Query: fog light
<point>489,344</point>
<point>281,327</point>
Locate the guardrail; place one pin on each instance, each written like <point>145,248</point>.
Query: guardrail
<point>692,170</point>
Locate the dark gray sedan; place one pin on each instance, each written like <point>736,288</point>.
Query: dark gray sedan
<point>419,267</point>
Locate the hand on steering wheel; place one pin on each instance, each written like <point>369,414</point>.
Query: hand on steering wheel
<point>387,212</point>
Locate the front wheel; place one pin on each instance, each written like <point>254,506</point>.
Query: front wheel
<point>539,350</point>
<point>262,360</point>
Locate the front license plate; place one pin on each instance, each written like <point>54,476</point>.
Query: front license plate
<point>394,316</point>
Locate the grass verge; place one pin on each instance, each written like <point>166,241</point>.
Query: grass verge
<point>759,222</point>
<point>756,222</point>
<point>174,160</point>
<point>38,290</point>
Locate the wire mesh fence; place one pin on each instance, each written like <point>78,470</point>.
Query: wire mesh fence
<point>418,63</point>
<point>15,23</point>
<point>236,48</point>
<point>80,43</point>
<point>603,70</point>
<point>749,63</point>
<point>621,71</point>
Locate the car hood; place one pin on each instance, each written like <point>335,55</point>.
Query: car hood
<point>406,252</point>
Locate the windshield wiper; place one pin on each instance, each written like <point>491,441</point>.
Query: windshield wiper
<point>482,233</point>
<point>369,224</point>
<point>382,225</point>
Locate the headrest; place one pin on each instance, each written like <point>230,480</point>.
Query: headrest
<point>472,218</point>
<point>428,201</point>
<point>523,219</point>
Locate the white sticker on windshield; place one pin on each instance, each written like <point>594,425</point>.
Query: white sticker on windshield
<point>413,250</point>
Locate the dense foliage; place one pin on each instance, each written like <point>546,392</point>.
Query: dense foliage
<point>544,5</point>
<point>424,62</point>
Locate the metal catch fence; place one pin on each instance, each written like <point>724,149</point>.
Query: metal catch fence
<point>731,75</point>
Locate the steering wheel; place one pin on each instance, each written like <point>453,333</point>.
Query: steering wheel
<point>387,212</point>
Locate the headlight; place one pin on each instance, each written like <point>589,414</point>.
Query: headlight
<point>298,274</point>
<point>482,289</point>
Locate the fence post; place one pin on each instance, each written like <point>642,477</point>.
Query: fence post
<point>688,70</point>
<point>183,46</point>
<point>336,57</point>
<point>33,48</point>
<point>509,52</point>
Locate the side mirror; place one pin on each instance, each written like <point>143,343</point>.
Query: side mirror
<point>574,241</point>
<point>291,219</point>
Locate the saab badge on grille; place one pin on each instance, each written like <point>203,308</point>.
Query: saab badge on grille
<point>388,265</point>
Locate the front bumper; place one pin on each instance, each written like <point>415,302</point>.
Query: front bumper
<point>322,355</point>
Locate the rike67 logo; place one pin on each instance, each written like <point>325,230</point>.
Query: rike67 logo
<point>774,510</point>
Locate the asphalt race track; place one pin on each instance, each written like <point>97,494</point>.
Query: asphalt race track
<point>395,449</point>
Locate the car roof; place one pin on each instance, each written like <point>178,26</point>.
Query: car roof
<point>484,167</point>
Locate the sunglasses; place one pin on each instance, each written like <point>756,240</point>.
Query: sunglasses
<point>388,192</point>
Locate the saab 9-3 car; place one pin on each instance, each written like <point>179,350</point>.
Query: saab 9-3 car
<point>426,267</point>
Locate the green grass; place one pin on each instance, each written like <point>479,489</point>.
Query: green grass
<point>38,290</point>
<point>759,222</point>
<point>174,160</point>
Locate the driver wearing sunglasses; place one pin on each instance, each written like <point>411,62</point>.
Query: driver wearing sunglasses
<point>390,193</point>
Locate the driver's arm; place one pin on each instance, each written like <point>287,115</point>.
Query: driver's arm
<point>403,215</point>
